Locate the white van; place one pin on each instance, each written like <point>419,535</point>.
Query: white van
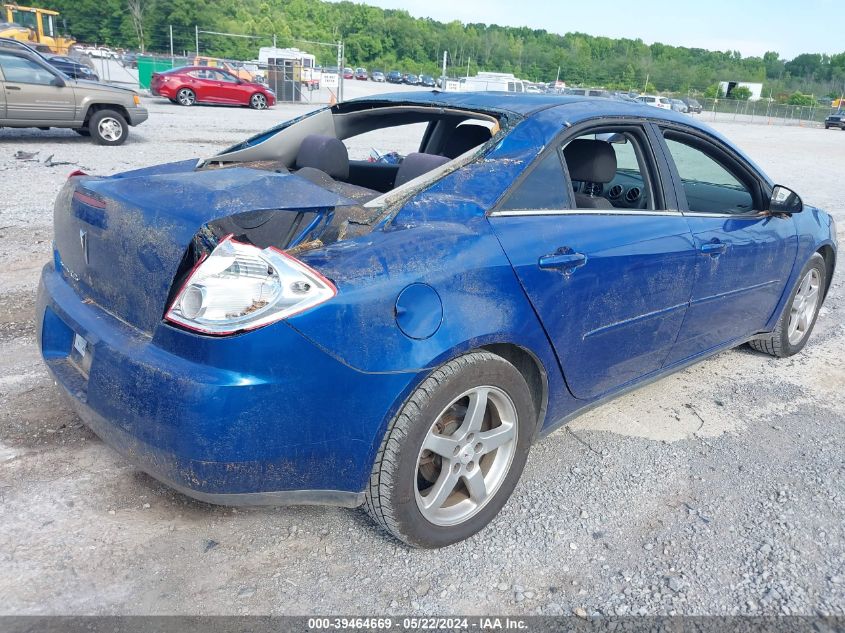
<point>485,82</point>
<point>657,101</point>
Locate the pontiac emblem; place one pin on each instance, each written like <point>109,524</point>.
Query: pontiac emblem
<point>83,240</point>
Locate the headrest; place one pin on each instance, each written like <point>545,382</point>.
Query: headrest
<point>417,164</point>
<point>325,153</point>
<point>464,137</point>
<point>590,161</point>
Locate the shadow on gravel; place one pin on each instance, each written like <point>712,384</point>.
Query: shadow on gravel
<point>62,136</point>
<point>168,500</point>
<point>39,417</point>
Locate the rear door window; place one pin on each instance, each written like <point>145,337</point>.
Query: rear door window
<point>544,188</point>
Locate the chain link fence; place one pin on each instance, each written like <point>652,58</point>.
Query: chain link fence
<point>765,112</point>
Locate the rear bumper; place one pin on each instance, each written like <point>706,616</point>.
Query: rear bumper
<point>292,433</point>
<point>137,115</point>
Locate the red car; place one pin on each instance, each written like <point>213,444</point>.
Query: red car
<point>202,84</point>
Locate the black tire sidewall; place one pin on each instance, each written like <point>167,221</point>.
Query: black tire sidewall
<point>817,262</point>
<point>417,528</point>
<point>95,132</point>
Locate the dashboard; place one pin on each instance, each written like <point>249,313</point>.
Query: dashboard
<point>625,191</point>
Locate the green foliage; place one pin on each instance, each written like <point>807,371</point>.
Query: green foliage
<point>741,93</point>
<point>389,39</point>
<point>713,92</point>
<point>796,98</point>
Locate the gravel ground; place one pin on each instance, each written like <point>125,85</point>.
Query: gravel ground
<point>718,490</point>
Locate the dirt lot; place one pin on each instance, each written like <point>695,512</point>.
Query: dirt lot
<point>718,490</point>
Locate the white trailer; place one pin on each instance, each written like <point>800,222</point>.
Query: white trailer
<point>500,82</point>
<point>726,87</point>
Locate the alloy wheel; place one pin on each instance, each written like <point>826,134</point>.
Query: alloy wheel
<point>466,455</point>
<point>110,129</point>
<point>186,97</point>
<point>259,101</point>
<point>804,306</point>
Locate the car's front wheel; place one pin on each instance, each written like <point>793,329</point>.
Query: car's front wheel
<point>793,328</point>
<point>186,97</point>
<point>258,101</point>
<point>108,127</point>
<point>453,454</point>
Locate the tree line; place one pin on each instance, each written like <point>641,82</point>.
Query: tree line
<point>389,39</point>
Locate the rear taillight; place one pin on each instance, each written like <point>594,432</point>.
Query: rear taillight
<point>90,199</point>
<point>242,287</point>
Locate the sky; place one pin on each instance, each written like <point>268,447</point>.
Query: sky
<point>750,26</point>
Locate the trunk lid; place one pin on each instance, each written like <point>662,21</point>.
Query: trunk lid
<point>120,240</point>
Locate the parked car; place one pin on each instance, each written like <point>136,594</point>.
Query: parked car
<point>679,106</point>
<point>129,59</point>
<point>837,119</point>
<point>361,74</point>
<point>656,100</point>
<point>38,94</point>
<point>68,66</point>
<point>394,77</point>
<point>71,67</point>
<point>693,106</point>
<point>427,81</point>
<point>190,85</point>
<point>348,73</point>
<point>411,79</point>
<point>398,335</point>
<point>378,76</point>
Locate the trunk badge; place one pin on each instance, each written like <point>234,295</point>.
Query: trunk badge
<point>83,240</point>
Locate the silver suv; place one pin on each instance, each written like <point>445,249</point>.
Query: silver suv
<point>34,94</point>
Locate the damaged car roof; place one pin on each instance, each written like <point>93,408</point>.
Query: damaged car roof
<point>516,103</point>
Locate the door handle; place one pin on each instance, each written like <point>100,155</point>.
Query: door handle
<point>714,248</point>
<point>562,260</point>
<point>13,87</point>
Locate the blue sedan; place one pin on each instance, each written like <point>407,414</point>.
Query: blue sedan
<point>280,324</point>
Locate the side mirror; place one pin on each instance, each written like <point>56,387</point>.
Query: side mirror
<point>784,200</point>
<point>58,82</point>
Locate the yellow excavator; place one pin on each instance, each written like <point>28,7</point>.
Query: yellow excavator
<point>34,26</point>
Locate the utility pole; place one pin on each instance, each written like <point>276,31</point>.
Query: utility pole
<point>443,74</point>
<point>172,59</point>
<point>468,60</point>
<point>557,78</point>
<point>274,40</point>
<point>197,34</point>
<point>645,88</point>
<point>339,70</point>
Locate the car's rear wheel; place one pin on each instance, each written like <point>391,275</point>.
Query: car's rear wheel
<point>186,97</point>
<point>108,127</point>
<point>258,101</point>
<point>796,322</point>
<point>453,454</point>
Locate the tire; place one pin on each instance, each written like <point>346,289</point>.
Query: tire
<point>82,131</point>
<point>779,343</point>
<point>108,127</point>
<point>403,470</point>
<point>258,101</point>
<point>186,97</point>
